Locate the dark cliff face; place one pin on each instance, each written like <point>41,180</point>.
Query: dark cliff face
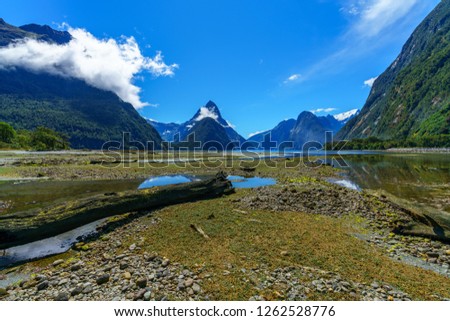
<point>307,128</point>
<point>411,98</point>
<point>88,116</point>
<point>48,34</point>
<point>310,128</point>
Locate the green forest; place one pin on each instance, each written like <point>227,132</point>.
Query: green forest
<point>40,139</point>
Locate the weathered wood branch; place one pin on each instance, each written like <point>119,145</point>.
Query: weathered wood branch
<point>27,226</point>
<point>199,230</point>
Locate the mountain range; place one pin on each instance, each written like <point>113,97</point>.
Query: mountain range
<point>411,99</point>
<point>307,127</point>
<point>87,115</point>
<point>207,124</point>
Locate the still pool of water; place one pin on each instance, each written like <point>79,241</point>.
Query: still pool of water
<point>420,182</point>
<point>154,181</point>
<point>423,179</point>
<point>49,246</point>
<point>250,182</point>
<point>345,183</point>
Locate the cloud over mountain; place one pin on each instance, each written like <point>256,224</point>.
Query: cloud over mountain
<point>106,64</point>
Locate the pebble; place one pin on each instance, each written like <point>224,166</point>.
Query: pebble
<point>88,289</point>
<point>102,279</point>
<point>42,286</point>
<point>142,282</point>
<point>58,262</point>
<point>76,291</point>
<point>62,296</point>
<point>188,283</point>
<point>196,288</point>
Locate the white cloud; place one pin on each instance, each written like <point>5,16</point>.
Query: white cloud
<point>206,113</point>
<point>372,24</point>
<point>103,63</point>
<point>377,15</point>
<point>322,110</point>
<point>292,78</point>
<point>369,82</point>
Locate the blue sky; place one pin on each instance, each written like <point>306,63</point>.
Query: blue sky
<point>260,61</point>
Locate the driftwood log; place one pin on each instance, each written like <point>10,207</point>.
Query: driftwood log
<point>27,226</point>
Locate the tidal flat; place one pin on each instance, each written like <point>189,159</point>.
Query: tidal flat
<point>303,238</point>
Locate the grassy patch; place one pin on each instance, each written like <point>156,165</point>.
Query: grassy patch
<point>239,240</point>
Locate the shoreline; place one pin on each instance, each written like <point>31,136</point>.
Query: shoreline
<point>419,150</point>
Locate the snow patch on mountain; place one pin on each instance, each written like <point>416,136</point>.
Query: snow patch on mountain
<point>205,112</point>
<point>347,115</point>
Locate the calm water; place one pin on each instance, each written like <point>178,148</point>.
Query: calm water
<point>422,179</point>
<point>49,246</point>
<point>251,182</point>
<point>167,180</point>
<point>31,194</point>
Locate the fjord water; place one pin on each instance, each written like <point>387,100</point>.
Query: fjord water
<point>421,179</point>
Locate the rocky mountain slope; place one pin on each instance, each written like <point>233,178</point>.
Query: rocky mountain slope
<point>207,124</point>
<point>412,97</point>
<point>87,115</point>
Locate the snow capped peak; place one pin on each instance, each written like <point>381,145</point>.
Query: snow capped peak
<point>206,112</point>
<point>347,115</point>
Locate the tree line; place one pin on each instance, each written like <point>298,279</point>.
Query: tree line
<point>39,139</point>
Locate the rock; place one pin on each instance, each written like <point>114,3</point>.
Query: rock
<point>76,291</point>
<point>88,289</point>
<point>58,262</point>
<point>165,263</point>
<point>188,283</point>
<point>102,279</point>
<point>123,265</point>
<point>127,275</point>
<point>433,254</point>
<point>142,282</point>
<point>139,295</point>
<point>284,253</point>
<point>76,267</point>
<point>42,286</point>
<point>132,247</point>
<point>147,296</point>
<point>62,296</point>
<point>196,288</point>
<point>3,292</point>
<point>40,277</point>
